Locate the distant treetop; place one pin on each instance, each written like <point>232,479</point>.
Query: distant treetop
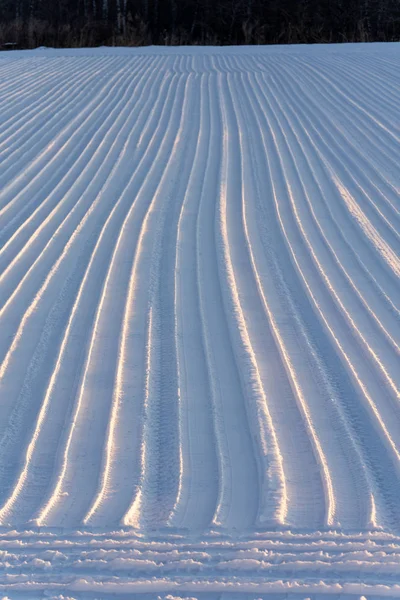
<point>60,23</point>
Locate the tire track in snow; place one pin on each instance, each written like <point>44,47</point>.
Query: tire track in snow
<point>161,460</point>
<point>60,505</point>
<point>122,462</point>
<point>122,452</point>
<point>237,476</point>
<point>197,497</point>
<point>250,319</point>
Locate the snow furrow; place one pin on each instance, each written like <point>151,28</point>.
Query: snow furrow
<point>85,414</point>
<point>270,270</point>
<point>236,502</point>
<point>162,464</point>
<point>244,298</point>
<point>197,495</point>
<point>69,252</point>
<point>27,390</point>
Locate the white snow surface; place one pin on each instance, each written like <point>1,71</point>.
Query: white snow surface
<point>199,323</point>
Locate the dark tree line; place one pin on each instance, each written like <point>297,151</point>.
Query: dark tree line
<point>31,23</point>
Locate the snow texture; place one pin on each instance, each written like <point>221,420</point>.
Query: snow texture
<point>199,323</point>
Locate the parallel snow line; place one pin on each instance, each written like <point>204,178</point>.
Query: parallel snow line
<point>30,77</point>
<point>305,507</point>
<point>13,70</point>
<point>303,138</point>
<point>29,145</point>
<point>376,224</point>
<point>27,120</point>
<point>354,135</point>
<point>122,417</point>
<point>312,253</point>
<point>44,407</point>
<point>301,387</point>
<point>354,369</point>
<point>307,133</point>
<point>55,269</point>
<point>272,497</point>
<point>27,78</point>
<point>338,85</point>
<point>160,478</point>
<point>341,73</point>
<point>83,397</point>
<point>120,404</point>
<point>321,181</point>
<point>351,452</point>
<point>380,185</point>
<point>80,199</point>
<point>253,318</point>
<point>356,234</point>
<point>37,142</point>
<point>198,300</point>
<point>388,92</point>
<point>236,502</point>
<point>359,105</point>
<point>72,188</point>
<point>18,120</point>
<point>208,188</point>
<point>361,180</point>
<point>324,126</point>
<point>34,193</point>
<point>388,88</point>
<point>134,514</point>
<point>363,88</point>
<point>197,494</point>
<point>31,178</point>
<point>390,374</point>
<point>324,388</point>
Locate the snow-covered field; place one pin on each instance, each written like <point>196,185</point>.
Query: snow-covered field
<point>199,323</point>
